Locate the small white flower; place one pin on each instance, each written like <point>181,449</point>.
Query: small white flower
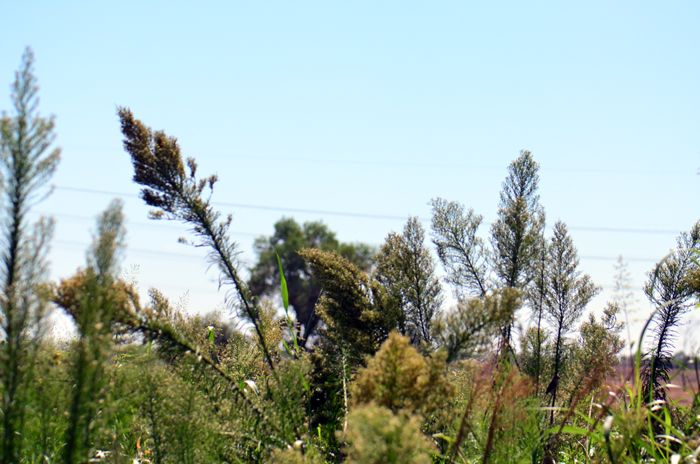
<point>252,385</point>
<point>607,426</point>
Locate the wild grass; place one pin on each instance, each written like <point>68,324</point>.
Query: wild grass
<point>147,382</point>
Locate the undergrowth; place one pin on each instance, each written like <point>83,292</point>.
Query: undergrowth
<point>386,377</point>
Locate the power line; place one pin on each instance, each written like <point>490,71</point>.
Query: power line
<point>189,256</point>
<point>606,258</point>
<point>359,215</point>
<point>135,250</point>
<point>168,254</point>
<point>410,164</point>
<point>248,206</point>
<point>623,230</point>
<point>250,234</point>
<point>165,224</point>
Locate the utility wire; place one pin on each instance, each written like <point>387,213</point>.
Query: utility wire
<point>168,254</point>
<point>135,250</point>
<point>165,224</point>
<point>247,206</point>
<point>183,255</point>
<point>250,234</point>
<point>388,163</point>
<point>358,215</point>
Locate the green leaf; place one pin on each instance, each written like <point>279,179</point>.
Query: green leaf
<point>443,437</point>
<point>283,285</point>
<point>572,429</point>
<point>285,300</point>
<point>286,347</point>
<point>304,383</point>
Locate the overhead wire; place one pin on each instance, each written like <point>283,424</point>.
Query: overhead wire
<point>338,213</point>
<point>178,255</point>
<point>164,224</point>
<point>378,162</point>
<point>249,206</point>
<point>250,234</point>
<point>358,215</point>
<point>167,254</point>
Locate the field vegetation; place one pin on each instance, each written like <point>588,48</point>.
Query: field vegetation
<point>329,352</point>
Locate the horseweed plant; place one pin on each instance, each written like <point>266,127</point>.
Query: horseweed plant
<point>387,376</point>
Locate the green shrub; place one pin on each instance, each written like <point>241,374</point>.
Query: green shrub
<point>376,435</point>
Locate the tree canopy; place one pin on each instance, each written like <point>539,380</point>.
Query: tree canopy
<point>303,286</point>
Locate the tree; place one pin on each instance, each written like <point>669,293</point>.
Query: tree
<point>671,284</point>
<point>407,271</point>
<point>25,167</point>
<point>568,293</point>
<point>303,287</point>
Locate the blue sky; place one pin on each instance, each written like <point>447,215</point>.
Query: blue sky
<point>373,108</point>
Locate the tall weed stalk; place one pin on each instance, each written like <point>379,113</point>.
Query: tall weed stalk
<point>26,164</point>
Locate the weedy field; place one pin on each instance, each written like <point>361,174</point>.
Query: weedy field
<point>328,352</point>
<point>682,387</point>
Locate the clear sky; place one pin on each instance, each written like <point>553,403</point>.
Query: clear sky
<point>372,108</point>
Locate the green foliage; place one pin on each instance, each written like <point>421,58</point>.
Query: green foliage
<point>25,167</point>
<point>95,299</point>
<point>566,295</point>
<point>535,296</point>
<point>470,329</point>
<point>568,292</point>
<point>515,241</point>
<point>627,429</point>
<point>45,426</point>
<point>516,233</point>
<point>597,349</point>
<point>461,251</point>
<point>537,356</point>
<point>304,288</point>
<point>294,456</point>
<point>399,378</point>
<point>357,311</point>
<point>669,288</point>
<point>158,166</point>
<point>498,421</point>
<point>376,435</point>
<point>406,269</point>
<point>147,382</point>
